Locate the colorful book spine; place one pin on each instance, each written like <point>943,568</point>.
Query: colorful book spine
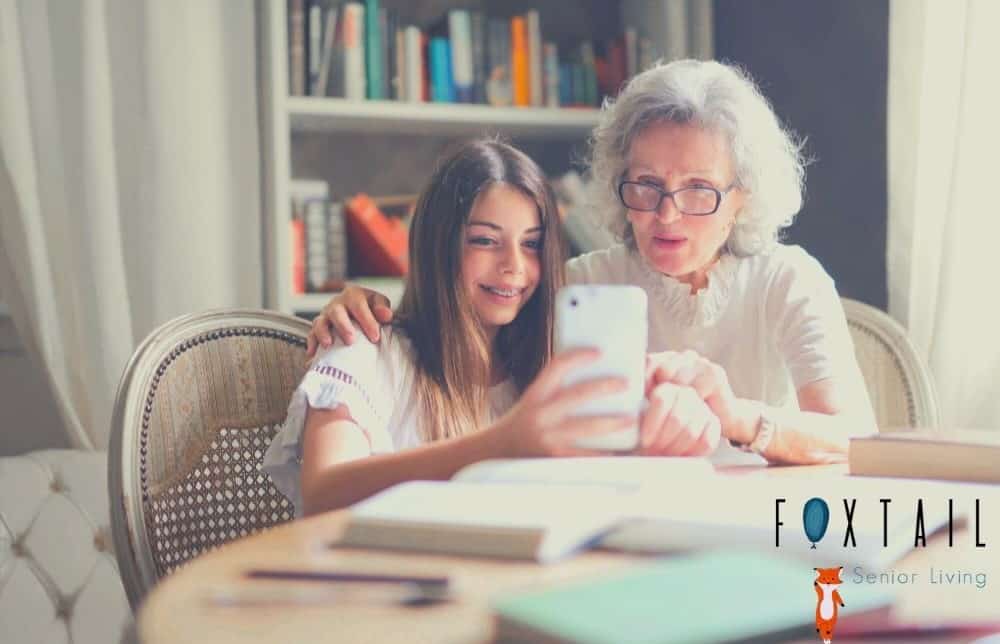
<point>354,52</point>
<point>399,64</point>
<point>388,53</point>
<point>315,31</point>
<point>316,244</point>
<point>440,63</point>
<point>590,96</point>
<point>297,238</point>
<point>551,56</point>
<point>324,82</point>
<point>536,65</point>
<point>414,62</point>
<point>373,50</point>
<point>477,24</point>
<point>297,48</point>
<point>565,84</point>
<point>520,70</point>
<point>460,39</point>
<point>337,246</point>
<point>499,91</point>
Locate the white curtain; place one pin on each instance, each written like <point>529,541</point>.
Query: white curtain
<point>129,181</point>
<point>944,205</point>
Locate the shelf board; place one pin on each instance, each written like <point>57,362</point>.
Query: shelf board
<point>391,287</point>
<point>310,114</point>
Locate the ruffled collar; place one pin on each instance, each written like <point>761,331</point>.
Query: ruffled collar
<point>701,309</point>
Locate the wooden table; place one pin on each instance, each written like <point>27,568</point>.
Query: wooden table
<point>182,609</point>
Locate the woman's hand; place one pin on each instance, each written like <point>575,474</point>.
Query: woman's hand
<point>738,418</point>
<point>368,308</point>
<point>543,423</point>
<point>677,422</point>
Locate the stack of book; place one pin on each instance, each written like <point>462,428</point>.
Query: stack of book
<point>360,50</point>
<point>954,455</point>
<point>319,238</point>
<point>322,230</point>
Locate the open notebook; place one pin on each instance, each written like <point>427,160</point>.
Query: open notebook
<point>536,509</point>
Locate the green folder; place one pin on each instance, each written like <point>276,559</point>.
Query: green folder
<point>716,597</point>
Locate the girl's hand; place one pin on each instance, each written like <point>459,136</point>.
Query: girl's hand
<point>368,308</point>
<point>711,384</point>
<point>543,423</point>
<point>677,422</point>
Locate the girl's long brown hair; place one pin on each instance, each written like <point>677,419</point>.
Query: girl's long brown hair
<point>451,353</point>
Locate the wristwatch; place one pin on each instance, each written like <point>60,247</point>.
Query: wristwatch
<point>762,439</point>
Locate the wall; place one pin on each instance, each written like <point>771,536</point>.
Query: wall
<point>824,65</point>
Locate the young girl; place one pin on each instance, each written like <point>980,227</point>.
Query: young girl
<point>473,331</point>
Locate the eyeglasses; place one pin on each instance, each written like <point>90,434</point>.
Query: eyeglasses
<point>698,201</point>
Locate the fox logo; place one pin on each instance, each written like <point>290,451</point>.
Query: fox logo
<point>828,601</point>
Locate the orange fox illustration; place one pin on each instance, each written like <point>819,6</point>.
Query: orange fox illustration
<point>828,601</point>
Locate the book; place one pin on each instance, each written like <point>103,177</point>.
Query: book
<point>954,455</point>
<point>477,26</point>
<point>297,47</point>
<point>499,87</point>
<point>551,59</point>
<point>462,65</point>
<point>519,63</point>
<point>536,62</point>
<point>717,597</point>
<point>354,51</point>
<point>373,50</point>
<point>324,83</point>
<point>413,76</point>
<point>315,31</point>
<point>533,509</point>
<point>297,239</point>
<point>378,242</point>
<point>439,61</point>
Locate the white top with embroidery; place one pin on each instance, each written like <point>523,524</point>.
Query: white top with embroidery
<point>773,321</point>
<point>376,383</point>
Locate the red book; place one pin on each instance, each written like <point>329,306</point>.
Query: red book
<point>378,242</point>
<point>298,240</point>
<point>520,69</point>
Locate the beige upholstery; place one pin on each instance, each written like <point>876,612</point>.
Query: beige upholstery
<point>899,383</point>
<point>197,407</point>
<point>58,577</point>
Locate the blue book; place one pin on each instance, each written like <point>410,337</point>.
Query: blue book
<point>373,49</point>
<point>738,596</point>
<point>442,86</point>
<point>565,84</point>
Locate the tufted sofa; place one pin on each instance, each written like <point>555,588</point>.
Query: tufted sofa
<point>59,580</point>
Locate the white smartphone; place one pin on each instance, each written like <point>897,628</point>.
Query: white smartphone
<point>612,319</point>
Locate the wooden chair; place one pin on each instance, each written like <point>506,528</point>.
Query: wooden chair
<point>197,407</point>
<point>899,383</point>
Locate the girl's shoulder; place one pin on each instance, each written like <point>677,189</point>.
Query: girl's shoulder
<point>385,365</point>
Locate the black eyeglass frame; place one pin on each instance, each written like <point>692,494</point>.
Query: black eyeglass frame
<point>719,194</point>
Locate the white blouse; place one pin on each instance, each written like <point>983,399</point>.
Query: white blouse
<point>376,382</point>
<point>773,321</point>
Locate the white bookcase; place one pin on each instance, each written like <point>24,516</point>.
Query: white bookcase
<point>288,124</point>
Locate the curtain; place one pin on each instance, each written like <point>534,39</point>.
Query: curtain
<point>944,214</point>
<point>129,182</point>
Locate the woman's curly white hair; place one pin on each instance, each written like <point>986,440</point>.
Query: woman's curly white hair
<point>767,157</point>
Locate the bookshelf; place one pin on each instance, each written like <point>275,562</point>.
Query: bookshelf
<point>309,114</point>
<point>349,143</point>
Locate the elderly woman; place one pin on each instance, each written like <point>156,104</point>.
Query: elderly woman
<point>697,175</point>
